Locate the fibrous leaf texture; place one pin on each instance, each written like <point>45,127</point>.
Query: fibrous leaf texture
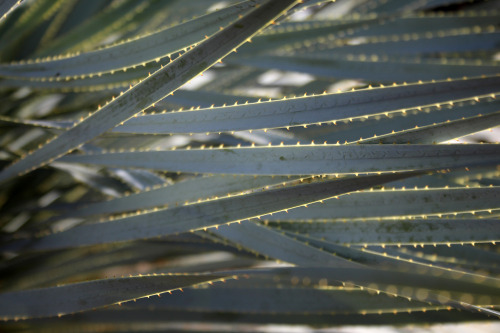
<point>222,165</point>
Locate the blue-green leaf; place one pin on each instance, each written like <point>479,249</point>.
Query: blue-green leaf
<point>71,298</point>
<point>405,47</point>
<point>440,132</point>
<point>301,160</point>
<point>371,68</point>
<point>152,89</point>
<point>268,242</point>
<point>281,300</point>
<point>206,214</point>
<point>400,121</point>
<point>186,191</point>
<point>311,110</point>
<point>398,203</point>
<point>135,52</point>
<point>418,231</point>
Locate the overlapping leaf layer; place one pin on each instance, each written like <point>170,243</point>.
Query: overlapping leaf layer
<point>219,165</point>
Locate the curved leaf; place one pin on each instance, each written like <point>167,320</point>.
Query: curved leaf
<point>282,300</point>
<point>71,298</point>
<point>178,193</point>
<point>203,215</point>
<point>152,89</point>
<point>377,278</point>
<point>399,121</point>
<point>270,243</point>
<point>440,132</point>
<point>135,52</point>
<point>310,110</point>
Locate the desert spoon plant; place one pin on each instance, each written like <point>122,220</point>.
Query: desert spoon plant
<point>223,165</point>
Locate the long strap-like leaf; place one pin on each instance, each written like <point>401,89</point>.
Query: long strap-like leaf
<point>398,203</point>
<point>190,190</point>
<point>207,214</point>
<point>440,132</point>
<point>302,160</point>
<point>130,53</point>
<point>401,231</point>
<point>153,88</point>
<point>83,296</point>
<point>313,109</point>
<point>281,300</point>
<point>269,242</point>
<point>385,69</point>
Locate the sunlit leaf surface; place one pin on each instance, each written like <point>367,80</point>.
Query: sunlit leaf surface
<point>227,166</point>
